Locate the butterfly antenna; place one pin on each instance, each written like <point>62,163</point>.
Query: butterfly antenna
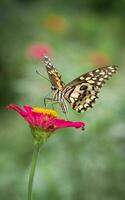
<point>42,75</point>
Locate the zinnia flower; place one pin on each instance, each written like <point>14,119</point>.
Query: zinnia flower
<point>43,121</point>
<point>38,50</point>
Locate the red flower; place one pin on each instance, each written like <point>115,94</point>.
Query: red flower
<point>39,50</point>
<point>43,121</point>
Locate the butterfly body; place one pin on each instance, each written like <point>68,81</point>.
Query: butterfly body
<point>82,92</point>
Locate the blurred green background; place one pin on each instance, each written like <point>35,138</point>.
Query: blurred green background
<point>79,36</point>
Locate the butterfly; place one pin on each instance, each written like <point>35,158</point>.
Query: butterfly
<point>80,93</point>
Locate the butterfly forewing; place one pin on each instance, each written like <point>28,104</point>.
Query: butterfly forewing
<point>54,76</point>
<point>82,92</point>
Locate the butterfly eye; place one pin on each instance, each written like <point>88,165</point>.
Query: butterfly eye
<point>53,88</point>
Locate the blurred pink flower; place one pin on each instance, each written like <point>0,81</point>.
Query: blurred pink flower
<point>99,59</point>
<point>38,50</point>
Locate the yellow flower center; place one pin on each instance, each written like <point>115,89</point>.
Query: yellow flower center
<point>45,111</point>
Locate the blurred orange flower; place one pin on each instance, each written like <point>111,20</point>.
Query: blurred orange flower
<point>56,24</point>
<point>38,50</point>
<point>99,58</point>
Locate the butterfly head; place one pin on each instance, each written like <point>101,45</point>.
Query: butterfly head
<point>53,88</point>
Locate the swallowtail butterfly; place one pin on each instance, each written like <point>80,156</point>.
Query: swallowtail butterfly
<point>82,92</point>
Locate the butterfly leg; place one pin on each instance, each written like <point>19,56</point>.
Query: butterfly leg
<point>56,102</point>
<point>46,99</point>
<point>63,106</point>
<point>66,117</point>
<point>49,99</point>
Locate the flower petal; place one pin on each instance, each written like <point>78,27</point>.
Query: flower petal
<point>17,108</point>
<point>60,123</point>
<point>25,113</point>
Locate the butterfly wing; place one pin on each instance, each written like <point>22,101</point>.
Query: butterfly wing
<point>82,92</point>
<point>54,76</point>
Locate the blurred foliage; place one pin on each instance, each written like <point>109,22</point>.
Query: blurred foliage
<point>88,165</point>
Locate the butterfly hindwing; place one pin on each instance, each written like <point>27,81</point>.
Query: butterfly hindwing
<point>82,92</point>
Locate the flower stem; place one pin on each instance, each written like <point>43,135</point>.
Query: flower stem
<point>32,171</point>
